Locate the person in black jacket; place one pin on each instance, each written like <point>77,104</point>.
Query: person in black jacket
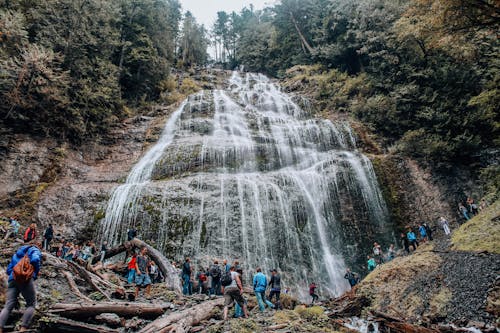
<point>275,285</point>
<point>47,237</point>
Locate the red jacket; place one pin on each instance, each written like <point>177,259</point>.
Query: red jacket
<point>29,235</point>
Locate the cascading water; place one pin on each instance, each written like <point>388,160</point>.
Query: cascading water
<point>245,173</point>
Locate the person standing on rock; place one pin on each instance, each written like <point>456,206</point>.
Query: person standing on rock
<point>142,279</point>
<point>377,252</point>
<point>351,278</point>
<point>259,287</point>
<point>405,242</point>
<point>216,273</point>
<point>30,233</point>
<point>131,234</point>
<point>275,285</point>
<point>104,249</point>
<point>186,277</point>
<point>234,293</point>
<point>26,287</point>
<point>391,253</point>
<point>131,264</point>
<point>47,237</point>
<point>371,263</point>
<point>227,267</point>
<point>423,233</point>
<point>412,238</point>
<point>312,292</point>
<point>13,228</point>
<point>445,225</point>
<point>463,211</point>
<point>428,229</point>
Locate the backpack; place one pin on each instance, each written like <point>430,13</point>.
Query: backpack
<point>23,270</point>
<point>226,279</point>
<point>215,271</point>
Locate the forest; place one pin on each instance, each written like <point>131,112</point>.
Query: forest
<point>423,74</point>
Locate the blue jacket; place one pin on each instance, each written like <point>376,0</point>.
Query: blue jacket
<point>259,282</point>
<point>422,230</point>
<point>411,236</point>
<point>35,258</point>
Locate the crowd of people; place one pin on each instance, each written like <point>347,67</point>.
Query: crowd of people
<point>219,279</point>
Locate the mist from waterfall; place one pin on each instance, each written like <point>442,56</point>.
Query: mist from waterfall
<point>246,173</point>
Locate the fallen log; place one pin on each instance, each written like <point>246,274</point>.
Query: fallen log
<point>74,287</point>
<point>398,325</point>
<point>88,278</point>
<point>129,310</point>
<point>181,321</point>
<point>171,276</point>
<point>62,325</point>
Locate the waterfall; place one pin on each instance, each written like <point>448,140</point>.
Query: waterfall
<point>245,173</point>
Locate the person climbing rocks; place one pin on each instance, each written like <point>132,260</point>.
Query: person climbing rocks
<point>131,234</point>
<point>351,277</point>
<point>275,287</point>
<point>216,273</point>
<point>142,278</point>
<point>472,206</point>
<point>13,228</point>
<point>463,211</point>
<point>186,277</point>
<point>30,233</point>
<point>423,233</point>
<point>312,292</point>
<point>47,237</point>
<point>412,238</point>
<point>428,229</point>
<point>233,293</point>
<point>391,253</point>
<point>445,225</point>
<point>23,284</point>
<point>377,253</point>
<point>201,277</point>
<point>371,263</point>
<point>405,242</point>
<point>237,309</point>
<point>131,264</point>
<point>259,287</point>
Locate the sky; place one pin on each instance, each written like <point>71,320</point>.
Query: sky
<point>205,11</point>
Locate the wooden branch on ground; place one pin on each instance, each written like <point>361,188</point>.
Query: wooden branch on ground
<point>61,325</point>
<point>74,287</point>
<point>129,310</point>
<point>88,278</point>
<point>181,321</point>
<point>398,325</point>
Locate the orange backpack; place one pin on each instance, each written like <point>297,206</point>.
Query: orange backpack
<point>23,270</point>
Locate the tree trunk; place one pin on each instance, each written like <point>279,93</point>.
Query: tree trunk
<point>302,38</point>
<point>181,321</point>
<point>129,310</point>
<point>60,325</point>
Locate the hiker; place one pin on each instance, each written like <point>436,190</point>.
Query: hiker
<point>153,272</point>
<point>391,253</point>
<point>405,242</point>
<point>22,276</point>
<point>275,285</point>
<point>186,277</point>
<point>371,264</point>
<point>351,277</point>
<point>226,265</point>
<point>233,292</point>
<point>377,252</point>
<point>215,272</point>
<point>201,277</point>
<point>104,249</point>
<point>464,211</point>
<point>47,237</point>
<point>30,233</point>
<point>428,229</point>
<point>444,224</point>
<point>412,239</point>
<point>13,228</point>
<point>131,234</point>
<point>423,233</point>
<point>131,262</point>
<point>259,287</point>
<point>472,207</point>
<point>312,292</point>
<point>237,309</point>
<point>142,279</point>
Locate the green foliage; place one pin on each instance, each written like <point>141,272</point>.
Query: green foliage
<point>68,69</point>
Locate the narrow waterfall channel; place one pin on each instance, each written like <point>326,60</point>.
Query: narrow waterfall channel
<point>245,173</point>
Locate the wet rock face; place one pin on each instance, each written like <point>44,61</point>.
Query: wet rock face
<point>245,173</point>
